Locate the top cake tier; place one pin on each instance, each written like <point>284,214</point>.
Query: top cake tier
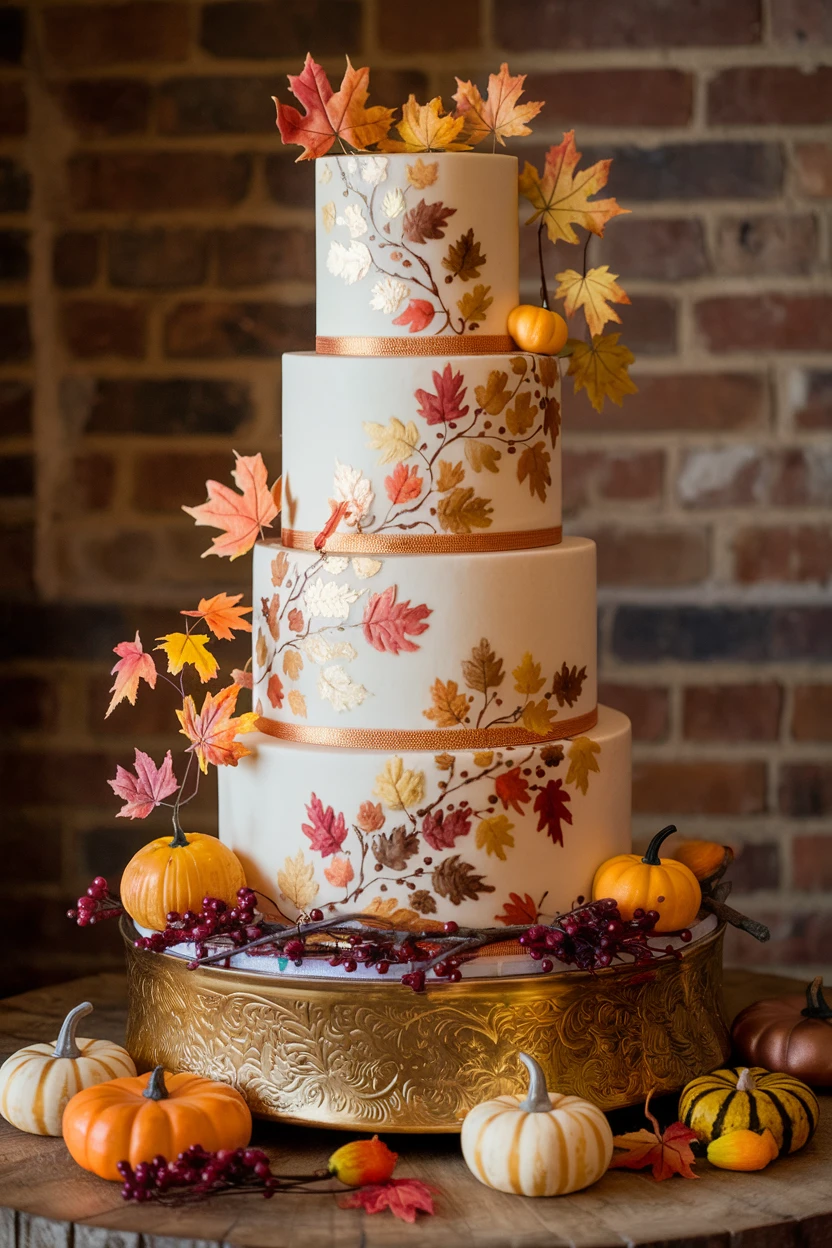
<point>415,248</point>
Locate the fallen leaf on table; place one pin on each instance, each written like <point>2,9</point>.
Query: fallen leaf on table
<point>403,1197</point>
<point>668,1152</point>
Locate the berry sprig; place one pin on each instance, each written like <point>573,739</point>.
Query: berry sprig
<point>95,905</point>
<point>198,1173</point>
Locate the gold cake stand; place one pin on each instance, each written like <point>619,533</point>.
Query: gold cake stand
<point>365,1056</point>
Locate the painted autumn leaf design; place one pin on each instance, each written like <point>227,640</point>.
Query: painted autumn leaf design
<point>426,128</point>
<point>420,174</point>
<point>326,830</point>
<point>448,476</point>
<point>295,616</point>
<point>404,484</point>
<point>527,677</point>
<point>522,415</point>
<point>483,758</point>
<point>395,440</point>
<point>481,455</point>
<point>417,315</point>
<point>146,787</point>
<point>242,517</point>
<point>512,788</point>
<point>499,115</point>
<point>399,787</point>
<point>493,396</point>
<point>274,691</point>
<point>296,881</point>
<point>388,908</point>
<point>133,665</point>
<point>280,566</point>
<point>562,196</point>
<point>552,755</point>
<point>292,663</point>
<point>329,115</point>
<point>518,910</point>
<point>425,221</point>
<point>458,881</point>
<point>444,762</point>
<point>261,649</point>
<point>567,684</point>
<point>483,671</point>
<point>324,601</point>
<point>464,259</point>
<point>551,807</point>
<point>548,370</point>
<point>213,731</point>
<point>339,872</point>
<point>442,830</point>
<point>182,648</point>
<point>270,608</point>
<point>336,686</point>
<point>537,717</point>
<point>494,836</point>
<point>474,304</point>
<point>462,510</point>
<point>551,421</point>
<point>593,291</point>
<point>446,404</point>
<point>450,707</point>
<point>423,901</point>
<point>394,849</point>
<point>387,623</point>
<point>582,761</point>
<point>370,817</point>
<point>297,703</point>
<point>222,615</point>
<point>601,369</point>
<point>533,464</point>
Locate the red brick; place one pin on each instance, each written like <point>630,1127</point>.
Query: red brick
<point>801,477</point>
<point>801,21</point>
<point>440,27</point>
<point>88,36</point>
<point>15,337</point>
<point>122,556</point>
<point>288,181</point>
<point>262,29</point>
<point>652,557</point>
<point>815,410</point>
<point>167,407</point>
<point>15,409</point>
<point>222,330</point>
<point>728,476</point>
<point>756,867</point>
<point>162,481</point>
<point>591,476</point>
<point>253,254</point>
<point>646,706</point>
<point>650,325</point>
<point>766,322</point>
<point>614,97</point>
<point>570,24</point>
<point>94,479</point>
<point>771,95</point>
<point>93,328</point>
<point>698,402</point>
<point>667,249</point>
<point>157,181</point>
<point>813,169</point>
<point>30,704</point>
<point>684,171</point>
<point>12,35</point>
<point>796,939</point>
<point>17,557</point>
<point>32,851</point>
<point>17,476</point>
<point>71,777</point>
<point>75,259</point>
<point>700,788</point>
<point>812,713</point>
<point>812,863</point>
<point>158,259</point>
<point>732,712</point>
<point>103,107</point>
<point>14,255</point>
<point>766,245</point>
<point>216,106</point>
<point>14,116</point>
<point>806,789</point>
<point>783,554</point>
<point>15,184</point>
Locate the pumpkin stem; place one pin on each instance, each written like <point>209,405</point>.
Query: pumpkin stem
<point>537,1100</point>
<point>816,1004</point>
<point>65,1045</point>
<point>156,1090</point>
<point>746,1081</point>
<point>544,289</point>
<point>652,856</point>
<point>179,841</point>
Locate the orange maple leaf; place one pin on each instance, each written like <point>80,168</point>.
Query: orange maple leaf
<point>243,516</point>
<point>133,665</point>
<point>561,197</point>
<point>222,615</point>
<point>668,1152</point>
<point>498,114</point>
<point>330,115</point>
<point>213,730</point>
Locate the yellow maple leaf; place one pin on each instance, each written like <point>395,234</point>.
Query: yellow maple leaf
<point>562,198</point>
<point>481,455</point>
<point>521,416</point>
<point>395,440</point>
<point>182,648</point>
<point>461,511</point>
<point>582,761</point>
<point>426,128</point>
<point>296,881</point>
<point>450,707</point>
<point>474,304</point>
<point>494,835</point>
<point>498,114</point>
<point>421,175</point>
<point>537,717</point>
<point>591,292</point>
<point>493,396</point>
<point>527,678</point>
<point>297,702</point>
<point>449,476</point>
<point>292,664</point>
<point>399,787</point>
<point>483,758</point>
<point>601,369</point>
<point>388,908</point>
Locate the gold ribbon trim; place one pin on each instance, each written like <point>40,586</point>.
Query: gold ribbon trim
<point>439,344</point>
<point>422,543</point>
<point>431,739</point>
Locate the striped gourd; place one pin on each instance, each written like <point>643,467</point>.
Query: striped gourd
<point>546,1145</point>
<point>36,1082</point>
<point>751,1098</point>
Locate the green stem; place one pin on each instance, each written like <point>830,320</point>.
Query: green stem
<point>156,1090</point>
<point>65,1045</point>
<point>652,856</point>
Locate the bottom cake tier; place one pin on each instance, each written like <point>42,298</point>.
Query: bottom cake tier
<point>477,836</point>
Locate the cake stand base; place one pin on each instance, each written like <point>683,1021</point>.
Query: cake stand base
<point>379,1057</point>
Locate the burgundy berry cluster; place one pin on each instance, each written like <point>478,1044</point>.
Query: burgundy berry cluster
<point>237,923</point>
<point>95,905</point>
<point>197,1173</point>
<point>592,936</point>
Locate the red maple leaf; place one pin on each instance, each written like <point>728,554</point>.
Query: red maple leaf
<point>512,790</point>
<point>518,910</point>
<point>386,622</point>
<point>403,1197</point>
<point>327,831</point>
<point>550,804</point>
<point>274,690</point>
<point>418,314</point>
<point>404,484</point>
<point>339,510</point>
<point>441,831</point>
<point>133,665</point>
<point>445,405</point>
<point>146,789</point>
<point>668,1152</point>
<point>330,115</point>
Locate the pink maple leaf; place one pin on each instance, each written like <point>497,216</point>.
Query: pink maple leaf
<point>550,805</point>
<point>146,789</point>
<point>242,517</point>
<point>242,678</point>
<point>386,621</point>
<point>445,405</point>
<point>441,831</point>
<point>403,1197</point>
<point>404,484</point>
<point>133,665</point>
<point>326,830</point>
<point>417,315</point>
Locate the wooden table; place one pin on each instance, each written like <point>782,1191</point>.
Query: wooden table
<point>46,1201</point>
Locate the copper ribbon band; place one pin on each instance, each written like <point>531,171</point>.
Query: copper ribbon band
<point>439,344</point>
<point>422,543</point>
<point>426,738</point>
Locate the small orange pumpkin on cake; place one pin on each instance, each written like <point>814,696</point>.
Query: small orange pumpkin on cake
<point>174,875</point>
<point>647,883</point>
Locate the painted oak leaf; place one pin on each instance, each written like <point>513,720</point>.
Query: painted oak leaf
<point>667,1152</point>
<point>474,304</point>
<point>458,881</point>
<point>329,115</point>
<point>499,115</point>
<point>483,758</point>
<point>242,517</point>
<point>481,455</point>
<point>464,259</point>
<point>295,617</point>
<point>339,873</point>
<point>398,787</point>
<point>261,649</point>
<point>593,292</point>
<point>518,910</point>
<point>394,915</point>
<point>493,396</point>
<point>133,665</point>
<point>512,788</point>
<point>222,615</point>
<point>404,484</point>
<point>350,486</point>
<point>351,264</point>
<point>450,707</point>
<point>562,196</point>
<point>326,830</point>
<point>417,316</point>
<point>403,1197</point>
<point>582,761</point>
<point>386,622</point>
<point>446,404</point>
<point>213,730</point>
<point>537,717</point>
<point>424,221</point>
<point>494,835</point>
<point>143,791</point>
<point>522,414</point>
<point>567,684</point>
<point>533,464</point>
<point>394,849</point>
<point>461,511</point>
<point>325,600</point>
<point>426,128</point>
<point>442,830</point>
<point>296,881</point>
<point>527,677</point>
<point>601,369</point>
<point>420,174</point>
<point>423,901</point>
<point>395,440</point>
<point>182,648</point>
<point>551,807</point>
<point>483,671</point>
<point>449,475</point>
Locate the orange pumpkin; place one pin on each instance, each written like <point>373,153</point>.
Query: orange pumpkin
<point>537,329</point>
<point>137,1118</point>
<point>707,859</point>
<point>176,874</point>
<point>651,883</point>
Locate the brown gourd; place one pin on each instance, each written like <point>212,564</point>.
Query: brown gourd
<point>791,1034</point>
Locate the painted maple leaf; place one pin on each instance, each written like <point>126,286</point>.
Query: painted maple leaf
<point>518,910</point>
<point>326,830</point>
<point>462,511</point>
<point>424,221</point>
<point>449,707</point>
<point>499,114</point>
<point>458,881</point>
<point>551,807</point>
<point>222,615</point>
<point>441,831</point>
<point>534,465</point>
<point>484,670</point>
<point>593,292</point>
<point>667,1152</point>
<point>417,315</point>
<point>512,788</point>
<point>242,517</point>
<point>426,128</point>
<point>143,791</point>
<point>386,622</point>
<point>393,849</point>
<point>600,368</point>
<point>404,484</point>
<point>329,115</point>
<point>133,665</point>
<point>562,196</point>
<point>213,731</point>
<point>464,259</point>
<point>446,404</point>
<point>403,1197</point>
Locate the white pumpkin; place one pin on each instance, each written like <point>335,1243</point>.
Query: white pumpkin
<point>546,1145</point>
<point>36,1082</point>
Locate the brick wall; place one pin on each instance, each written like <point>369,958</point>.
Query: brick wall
<point>156,259</point>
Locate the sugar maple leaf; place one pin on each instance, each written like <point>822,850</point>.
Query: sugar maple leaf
<point>386,622</point>
<point>591,291</point>
<point>326,830</point>
<point>518,910</point>
<point>213,730</point>
<point>499,114</point>
<point>446,404</point>
<point>133,665</point>
<point>222,615</point>
<point>551,807</point>
<point>145,790</point>
<point>601,369</point>
<point>182,648</point>
<point>668,1152</point>
<point>243,516</point>
<point>404,484</point>
<point>426,128</point>
<point>417,315</point>
<point>450,707</point>
<point>329,115</point>
<point>562,197</point>
<point>403,1197</point>
<point>582,761</point>
<point>441,830</point>
<point>512,788</point>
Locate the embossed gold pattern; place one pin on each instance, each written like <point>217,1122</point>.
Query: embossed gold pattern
<point>371,1056</point>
